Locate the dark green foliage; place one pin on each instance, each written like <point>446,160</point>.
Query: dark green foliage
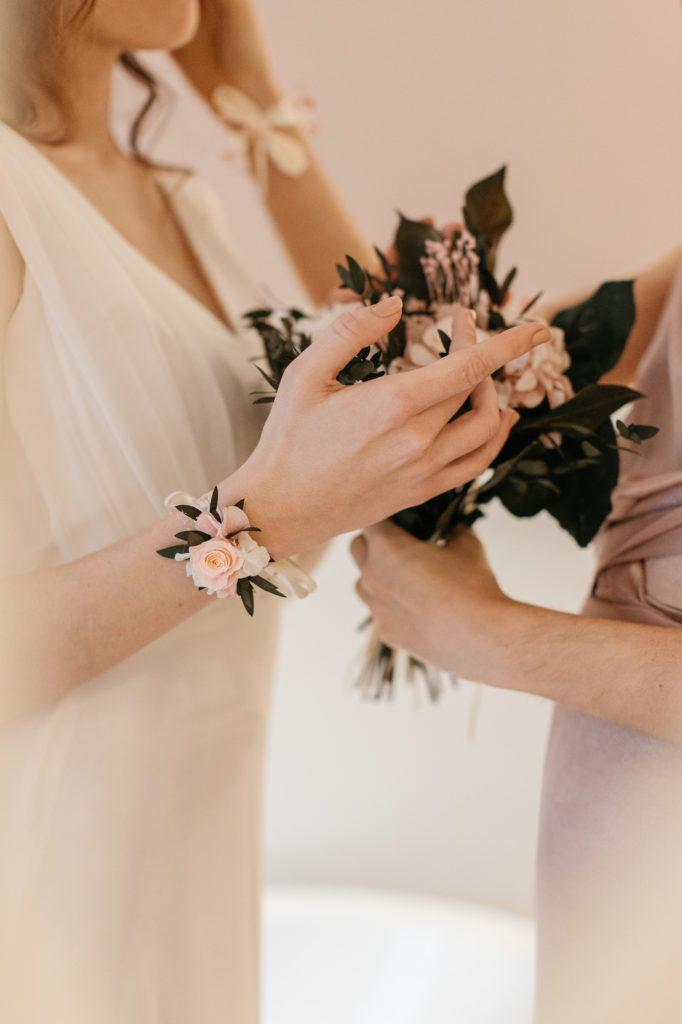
<point>179,549</point>
<point>245,592</point>
<point>572,479</point>
<point>267,586</point>
<point>635,432</point>
<point>189,510</point>
<point>193,537</point>
<point>596,331</point>
<point>488,214</point>
<point>409,242</point>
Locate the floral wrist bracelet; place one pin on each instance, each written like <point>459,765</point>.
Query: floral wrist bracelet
<point>222,557</point>
<point>267,134</point>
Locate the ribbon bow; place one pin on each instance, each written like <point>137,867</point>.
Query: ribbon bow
<point>266,132</point>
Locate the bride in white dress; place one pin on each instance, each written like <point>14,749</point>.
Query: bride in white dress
<point>134,708</point>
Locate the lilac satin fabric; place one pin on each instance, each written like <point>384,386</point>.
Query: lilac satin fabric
<point>611,819</point>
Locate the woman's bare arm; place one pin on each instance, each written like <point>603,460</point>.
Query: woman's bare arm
<point>60,627</point>
<point>446,607</point>
<point>314,224</point>
<point>651,290</point>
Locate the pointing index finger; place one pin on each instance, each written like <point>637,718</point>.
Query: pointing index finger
<point>463,370</point>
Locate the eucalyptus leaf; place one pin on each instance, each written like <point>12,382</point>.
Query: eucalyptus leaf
<point>583,413</point>
<point>245,592</point>
<point>496,321</point>
<point>506,284</point>
<point>258,314</point>
<point>271,380</point>
<point>529,305</point>
<point>636,432</point>
<point>267,586</point>
<point>386,266</point>
<point>362,370</point>
<point>357,275</point>
<point>643,432</point>
<point>178,549</point>
<point>445,340</point>
<point>214,503</point>
<point>193,537</point>
<point>189,510</point>
<point>585,499</point>
<point>590,450</point>
<point>532,467</point>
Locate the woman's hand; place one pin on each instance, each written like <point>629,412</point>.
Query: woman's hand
<point>444,605</point>
<point>334,458</point>
<point>229,48</point>
<point>439,603</point>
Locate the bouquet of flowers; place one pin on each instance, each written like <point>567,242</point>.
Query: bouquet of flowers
<point>562,456</point>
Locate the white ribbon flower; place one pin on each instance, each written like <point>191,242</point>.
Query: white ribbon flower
<point>266,132</point>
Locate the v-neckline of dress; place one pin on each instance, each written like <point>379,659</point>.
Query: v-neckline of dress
<point>162,178</point>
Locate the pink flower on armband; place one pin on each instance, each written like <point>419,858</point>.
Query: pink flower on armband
<point>233,520</point>
<point>254,555</point>
<point>216,565</point>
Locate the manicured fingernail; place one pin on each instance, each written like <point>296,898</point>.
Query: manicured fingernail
<point>388,306</point>
<point>541,336</point>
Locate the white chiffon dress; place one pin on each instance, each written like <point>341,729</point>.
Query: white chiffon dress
<point>129,810</point>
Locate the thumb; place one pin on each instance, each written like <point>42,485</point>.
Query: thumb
<point>351,332</point>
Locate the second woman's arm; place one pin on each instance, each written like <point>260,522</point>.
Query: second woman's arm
<point>313,223</point>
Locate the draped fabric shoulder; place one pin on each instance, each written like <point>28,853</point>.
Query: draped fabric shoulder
<point>120,385</point>
<point>609,889</point>
<point>129,810</point>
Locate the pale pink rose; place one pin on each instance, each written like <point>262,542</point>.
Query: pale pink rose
<point>215,565</point>
<point>526,381</point>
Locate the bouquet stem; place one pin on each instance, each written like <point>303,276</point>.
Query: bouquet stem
<point>383,668</point>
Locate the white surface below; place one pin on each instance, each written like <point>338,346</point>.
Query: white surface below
<point>348,956</point>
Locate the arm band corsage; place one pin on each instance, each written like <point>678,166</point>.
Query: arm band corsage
<point>267,134</point>
<point>222,557</point>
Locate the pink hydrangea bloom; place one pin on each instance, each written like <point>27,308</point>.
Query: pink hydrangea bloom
<point>526,382</point>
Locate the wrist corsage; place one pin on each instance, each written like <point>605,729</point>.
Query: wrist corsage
<point>222,557</point>
<point>268,135</point>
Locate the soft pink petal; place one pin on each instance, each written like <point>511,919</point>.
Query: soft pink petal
<point>233,519</point>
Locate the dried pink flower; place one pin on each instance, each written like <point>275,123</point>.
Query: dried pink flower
<point>525,382</point>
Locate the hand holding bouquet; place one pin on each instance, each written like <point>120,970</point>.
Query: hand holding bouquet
<point>563,453</point>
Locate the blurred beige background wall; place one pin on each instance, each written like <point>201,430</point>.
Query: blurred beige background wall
<point>583,101</point>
